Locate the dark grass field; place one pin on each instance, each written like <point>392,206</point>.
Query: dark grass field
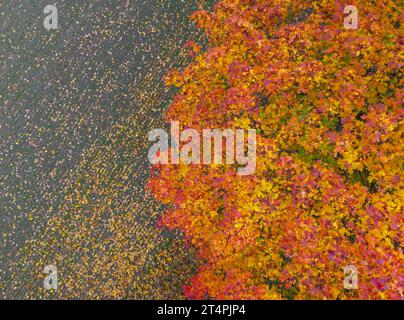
<point>76,105</point>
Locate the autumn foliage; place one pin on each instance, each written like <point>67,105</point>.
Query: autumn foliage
<point>328,188</point>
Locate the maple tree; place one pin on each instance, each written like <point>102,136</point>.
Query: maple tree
<point>327,191</point>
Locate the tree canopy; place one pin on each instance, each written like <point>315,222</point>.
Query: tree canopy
<point>326,102</point>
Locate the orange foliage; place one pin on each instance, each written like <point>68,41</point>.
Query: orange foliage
<point>327,191</point>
